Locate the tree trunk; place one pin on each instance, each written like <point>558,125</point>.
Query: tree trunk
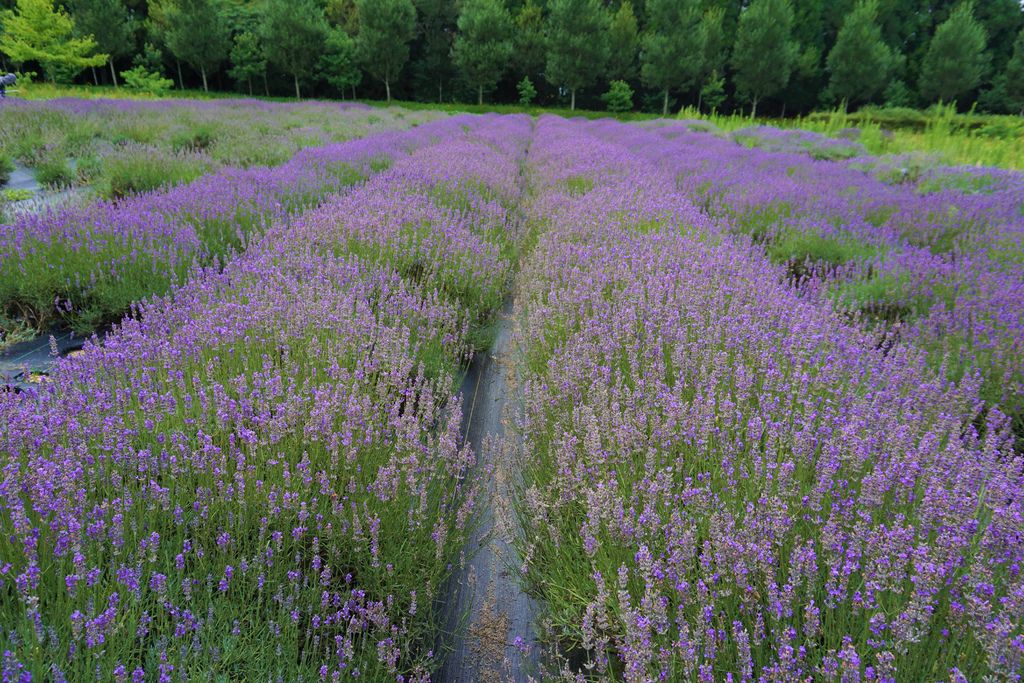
<point>664,105</point>
<point>113,74</point>
<point>440,91</point>
<point>753,109</point>
<point>480,95</point>
<point>387,87</point>
<point>202,70</point>
<point>353,91</point>
<point>266,85</point>
<point>249,81</point>
<point>181,81</point>
<point>700,98</point>
<point>298,96</point>
<point>95,79</point>
<point>572,99</point>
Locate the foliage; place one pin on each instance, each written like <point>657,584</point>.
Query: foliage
<point>526,91</point>
<point>577,44</point>
<point>956,60</point>
<point>623,41</point>
<point>712,93</point>
<point>673,46</point>
<point>483,45</point>
<point>860,63</point>
<point>197,35</point>
<point>1015,74</point>
<point>109,24</point>
<point>339,65</point>
<point>619,96</point>
<point>385,29</point>
<point>293,37</point>
<point>6,167</point>
<point>764,54</point>
<point>141,79</point>
<point>248,60</point>
<point>35,31</point>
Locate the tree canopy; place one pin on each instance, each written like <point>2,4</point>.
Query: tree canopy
<point>777,56</point>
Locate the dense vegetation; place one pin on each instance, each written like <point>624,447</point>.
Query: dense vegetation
<point>783,56</point>
<point>764,421</point>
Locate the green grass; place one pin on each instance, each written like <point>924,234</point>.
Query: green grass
<point>145,170</point>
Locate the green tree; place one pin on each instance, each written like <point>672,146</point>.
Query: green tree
<point>860,64</point>
<point>35,31</point>
<point>198,35</point>
<point>956,60</point>
<point>385,29</point>
<point>712,25</point>
<point>764,54</point>
<point>247,58</point>
<point>294,32</point>
<point>483,45</point>
<point>528,40</point>
<point>673,46</point>
<point>712,93</point>
<point>1015,74</point>
<point>339,65</point>
<point>432,51</point>
<point>623,40</point>
<point>619,97</point>
<point>526,91</point>
<point>577,44</point>
<point>110,25</point>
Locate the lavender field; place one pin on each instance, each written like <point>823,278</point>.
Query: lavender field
<point>752,410</point>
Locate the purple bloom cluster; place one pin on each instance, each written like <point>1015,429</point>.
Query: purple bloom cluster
<point>725,479</point>
<point>87,265</point>
<point>261,475</point>
<point>937,255</point>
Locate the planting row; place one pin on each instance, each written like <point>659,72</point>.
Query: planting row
<point>121,147</point>
<point>726,480</point>
<point>85,266</point>
<point>260,475</point>
<point>935,257</point>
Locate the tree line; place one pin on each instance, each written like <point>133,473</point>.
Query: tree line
<point>656,55</point>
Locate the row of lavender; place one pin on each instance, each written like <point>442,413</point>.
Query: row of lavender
<point>261,477</point>
<point>936,258</point>
<point>87,265</point>
<point>130,143</point>
<point>724,480</point>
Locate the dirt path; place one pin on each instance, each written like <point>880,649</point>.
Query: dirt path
<point>488,611</point>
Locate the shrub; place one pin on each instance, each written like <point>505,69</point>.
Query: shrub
<point>6,168</point>
<point>527,92</point>
<point>619,97</point>
<point>142,171</point>
<point>140,79</point>
<point>54,172</point>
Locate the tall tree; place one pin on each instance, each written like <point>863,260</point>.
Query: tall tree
<point>530,52</point>
<point>483,45</point>
<point>577,44</point>
<point>339,64</point>
<point>248,60</point>
<point>110,25</point>
<point>1015,74</point>
<point>294,32</point>
<point>764,54</point>
<point>432,50</point>
<point>623,39</point>
<point>673,46</point>
<point>712,66</point>
<point>956,60</point>
<point>35,31</point>
<point>198,35</point>
<point>385,29</point>
<point>860,64</point>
